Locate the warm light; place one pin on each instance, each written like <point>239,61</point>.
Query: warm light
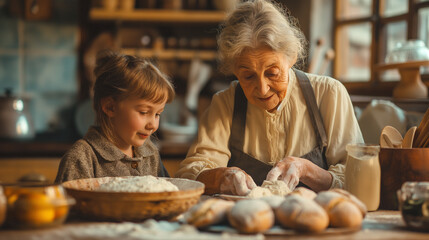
<point>18,105</point>
<point>22,126</point>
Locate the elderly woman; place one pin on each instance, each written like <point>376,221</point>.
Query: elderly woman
<point>275,122</point>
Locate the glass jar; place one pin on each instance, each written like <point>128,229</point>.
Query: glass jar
<point>36,205</point>
<point>413,200</point>
<point>362,175</point>
<point>3,206</point>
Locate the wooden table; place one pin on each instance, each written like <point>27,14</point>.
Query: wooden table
<point>376,225</point>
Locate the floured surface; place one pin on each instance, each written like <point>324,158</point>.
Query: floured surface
<point>138,184</point>
<point>277,230</point>
<point>150,229</point>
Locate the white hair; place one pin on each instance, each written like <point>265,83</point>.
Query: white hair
<point>258,23</point>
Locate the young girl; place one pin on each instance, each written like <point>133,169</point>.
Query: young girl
<point>129,95</point>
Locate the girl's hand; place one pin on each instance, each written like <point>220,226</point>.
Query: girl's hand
<point>290,170</point>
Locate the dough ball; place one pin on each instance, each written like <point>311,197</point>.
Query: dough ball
<point>304,192</point>
<point>251,216</point>
<point>302,214</point>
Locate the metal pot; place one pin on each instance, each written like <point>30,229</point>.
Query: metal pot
<point>15,119</point>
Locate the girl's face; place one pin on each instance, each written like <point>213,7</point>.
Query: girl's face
<point>134,120</point>
<point>263,76</point>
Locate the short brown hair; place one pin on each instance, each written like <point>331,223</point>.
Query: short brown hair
<point>122,76</point>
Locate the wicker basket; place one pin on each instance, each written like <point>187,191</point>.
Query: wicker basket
<point>132,206</point>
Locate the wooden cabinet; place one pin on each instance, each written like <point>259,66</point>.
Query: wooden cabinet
<point>169,34</point>
<point>171,38</point>
<point>14,168</point>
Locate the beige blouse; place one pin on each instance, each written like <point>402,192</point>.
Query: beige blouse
<point>269,137</point>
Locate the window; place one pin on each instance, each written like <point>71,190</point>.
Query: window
<point>365,31</point>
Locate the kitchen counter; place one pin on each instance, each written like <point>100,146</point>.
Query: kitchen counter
<point>20,158</point>
<point>376,225</point>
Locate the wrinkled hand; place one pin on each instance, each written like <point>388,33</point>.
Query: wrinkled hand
<point>237,182</point>
<point>290,170</point>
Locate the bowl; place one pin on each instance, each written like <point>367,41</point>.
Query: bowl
<point>413,200</point>
<point>36,205</point>
<point>132,206</point>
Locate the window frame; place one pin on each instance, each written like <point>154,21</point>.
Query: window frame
<point>375,86</point>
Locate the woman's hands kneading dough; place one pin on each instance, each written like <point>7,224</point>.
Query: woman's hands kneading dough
<point>228,180</point>
<point>293,170</point>
<point>288,170</point>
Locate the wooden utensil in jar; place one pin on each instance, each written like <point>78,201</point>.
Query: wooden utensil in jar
<point>391,137</point>
<point>422,132</point>
<point>409,137</point>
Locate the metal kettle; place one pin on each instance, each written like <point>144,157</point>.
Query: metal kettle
<point>15,119</point>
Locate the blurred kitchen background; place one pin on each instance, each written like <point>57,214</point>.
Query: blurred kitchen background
<point>48,48</point>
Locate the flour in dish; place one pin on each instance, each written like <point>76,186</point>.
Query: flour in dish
<point>138,184</point>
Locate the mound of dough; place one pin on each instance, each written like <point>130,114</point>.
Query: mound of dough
<point>269,188</point>
<point>259,192</point>
<point>276,187</point>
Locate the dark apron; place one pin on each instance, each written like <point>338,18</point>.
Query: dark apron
<point>257,169</point>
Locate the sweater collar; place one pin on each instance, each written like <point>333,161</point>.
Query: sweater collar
<point>109,151</point>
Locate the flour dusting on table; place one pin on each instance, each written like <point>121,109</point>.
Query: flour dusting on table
<point>148,230</point>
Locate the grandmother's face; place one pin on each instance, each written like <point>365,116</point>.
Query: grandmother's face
<point>263,76</point>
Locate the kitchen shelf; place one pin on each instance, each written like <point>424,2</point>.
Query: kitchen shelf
<point>167,54</point>
<point>144,15</point>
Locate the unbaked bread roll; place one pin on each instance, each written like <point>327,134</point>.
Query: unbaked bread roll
<point>345,214</point>
<point>328,199</point>
<point>274,201</point>
<point>342,212</point>
<point>208,212</point>
<point>251,216</point>
<point>304,192</point>
<point>353,198</point>
<point>302,214</point>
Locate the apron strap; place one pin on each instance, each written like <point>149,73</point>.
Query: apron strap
<point>238,125</point>
<point>313,111</point>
